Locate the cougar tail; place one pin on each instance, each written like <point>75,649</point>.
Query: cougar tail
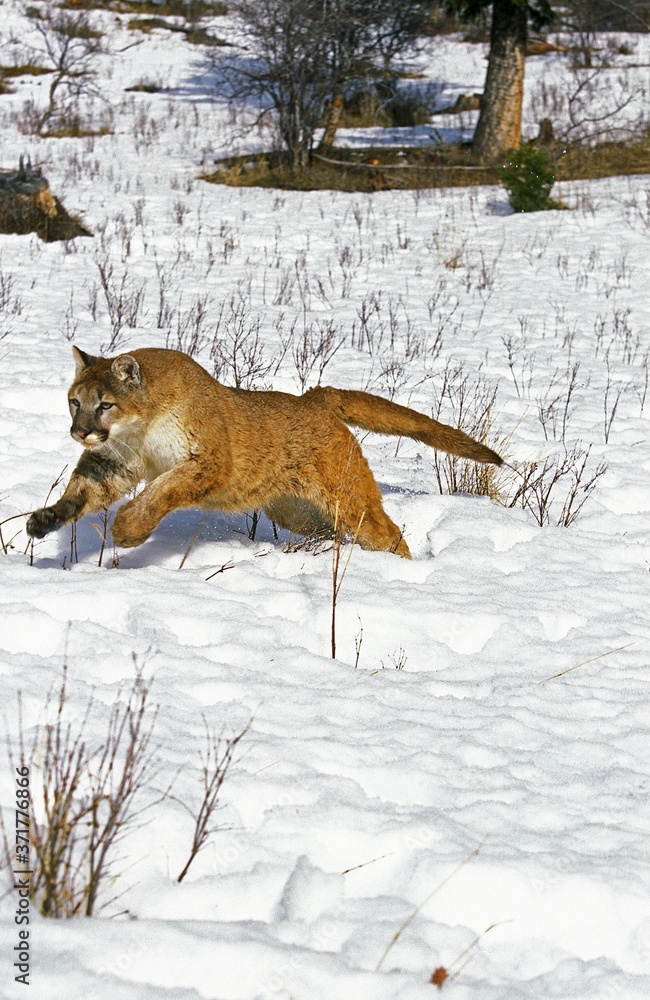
<point>373,413</point>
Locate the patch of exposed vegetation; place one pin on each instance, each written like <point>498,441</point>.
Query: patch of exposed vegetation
<point>388,109</point>
<point>149,24</point>
<point>608,159</point>
<point>145,87</point>
<point>167,8</point>
<point>73,128</point>
<point>371,169</point>
<point>385,168</point>
<point>193,33</point>
<point>174,8</point>
<point>7,72</point>
<point>25,69</point>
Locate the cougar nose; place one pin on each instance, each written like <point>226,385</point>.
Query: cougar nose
<point>79,432</point>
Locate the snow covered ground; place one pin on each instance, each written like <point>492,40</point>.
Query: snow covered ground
<point>359,791</point>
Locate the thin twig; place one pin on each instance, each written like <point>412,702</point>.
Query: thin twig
<point>193,539</point>
<point>222,569</point>
<point>364,863</point>
<point>337,574</point>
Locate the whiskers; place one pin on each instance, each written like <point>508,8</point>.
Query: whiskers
<point>122,446</point>
<point>126,458</point>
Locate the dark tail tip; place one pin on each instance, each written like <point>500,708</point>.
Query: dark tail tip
<point>486,455</point>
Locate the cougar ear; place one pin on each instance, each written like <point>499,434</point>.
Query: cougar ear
<point>126,369</point>
<point>82,360</point>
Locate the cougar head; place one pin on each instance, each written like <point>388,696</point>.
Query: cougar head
<point>103,397</point>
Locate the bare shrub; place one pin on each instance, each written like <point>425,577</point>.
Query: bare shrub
<point>368,333</point>
<point>191,333</point>
<point>10,300</point>
<point>617,334</point>
<point>397,659</point>
<point>6,544</point>
<point>57,482</point>
<point>165,311</point>
<point>314,348</point>
<point>237,351</point>
<point>124,299</point>
<point>611,398</point>
<point>564,479</point>
<point>392,378</point>
<point>304,54</point>
<point>379,318</point>
<point>84,802</point>
<point>638,211</point>
<point>252,523</point>
<point>555,407</point>
<point>217,760</point>
<point>3,545</point>
<point>553,490</point>
<point>313,544</point>
<point>472,404</point>
<point>519,362</point>
<point>593,103</point>
<point>641,387</point>
<point>101,527</point>
<point>71,325</point>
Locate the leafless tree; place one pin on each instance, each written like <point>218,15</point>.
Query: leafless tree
<point>593,102</point>
<point>303,52</point>
<point>587,17</point>
<point>68,45</point>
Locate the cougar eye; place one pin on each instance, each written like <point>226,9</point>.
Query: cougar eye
<point>75,403</point>
<point>105,405</point>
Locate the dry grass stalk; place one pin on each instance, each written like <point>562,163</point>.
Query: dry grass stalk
<point>222,569</point>
<point>191,543</point>
<point>339,570</point>
<point>102,531</point>
<point>584,663</point>
<point>418,909</point>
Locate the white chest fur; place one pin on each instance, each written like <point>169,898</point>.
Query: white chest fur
<point>165,445</point>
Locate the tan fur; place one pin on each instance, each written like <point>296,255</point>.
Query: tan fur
<point>156,415</point>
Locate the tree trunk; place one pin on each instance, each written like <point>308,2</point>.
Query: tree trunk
<point>499,124</point>
<point>332,121</point>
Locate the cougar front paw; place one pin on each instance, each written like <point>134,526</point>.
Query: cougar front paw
<point>126,532</point>
<point>41,522</point>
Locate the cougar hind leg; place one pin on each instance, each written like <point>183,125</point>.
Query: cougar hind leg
<point>378,532</point>
<point>299,516</point>
<point>374,530</point>
<point>349,494</point>
<point>340,494</point>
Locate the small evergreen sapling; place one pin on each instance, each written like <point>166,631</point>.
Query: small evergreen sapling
<point>528,176</point>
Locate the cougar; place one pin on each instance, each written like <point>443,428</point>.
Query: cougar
<point>158,416</point>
